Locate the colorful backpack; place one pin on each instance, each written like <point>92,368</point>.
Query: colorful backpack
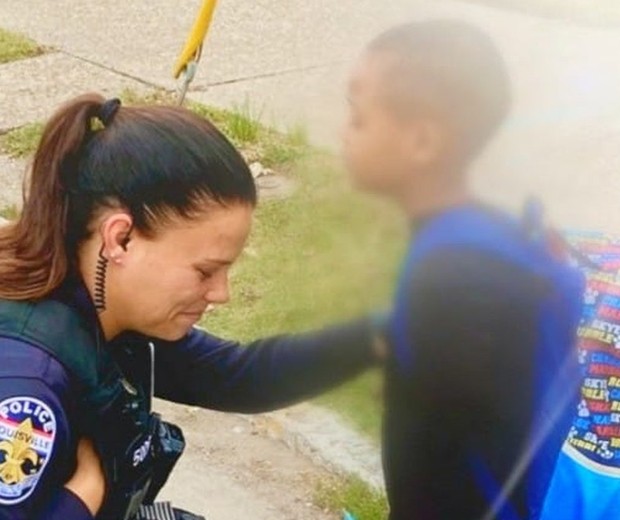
<point>586,481</point>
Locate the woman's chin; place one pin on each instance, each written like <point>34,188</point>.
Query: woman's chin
<point>173,333</point>
<point>173,329</point>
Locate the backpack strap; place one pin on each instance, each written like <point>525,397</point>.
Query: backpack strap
<point>467,228</point>
<point>523,243</point>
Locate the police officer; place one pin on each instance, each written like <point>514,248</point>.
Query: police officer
<point>132,219</point>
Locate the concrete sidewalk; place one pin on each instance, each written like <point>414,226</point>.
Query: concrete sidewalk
<point>290,59</point>
<point>239,467</point>
<point>30,90</point>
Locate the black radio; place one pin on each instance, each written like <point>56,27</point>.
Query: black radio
<point>168,446</point>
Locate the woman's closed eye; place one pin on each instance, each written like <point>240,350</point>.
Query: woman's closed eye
<point>204,274</point>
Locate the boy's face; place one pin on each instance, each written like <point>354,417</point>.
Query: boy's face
<point>386,152</point>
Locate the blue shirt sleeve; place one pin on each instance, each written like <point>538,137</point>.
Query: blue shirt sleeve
<point>207,371</point>
<point>65,505</point>
<point>37,450</point>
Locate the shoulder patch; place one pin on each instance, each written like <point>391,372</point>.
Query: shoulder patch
<point>27,433</point>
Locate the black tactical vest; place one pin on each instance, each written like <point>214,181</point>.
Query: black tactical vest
<point>113,411</point>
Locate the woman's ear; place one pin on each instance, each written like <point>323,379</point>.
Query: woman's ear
<point>116,234</point>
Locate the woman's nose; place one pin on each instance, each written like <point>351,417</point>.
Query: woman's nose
<point>219,293</point>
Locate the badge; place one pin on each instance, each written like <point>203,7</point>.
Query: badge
<point>27,432</point>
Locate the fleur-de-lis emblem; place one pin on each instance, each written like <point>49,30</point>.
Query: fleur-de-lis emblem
<point>16,453</point>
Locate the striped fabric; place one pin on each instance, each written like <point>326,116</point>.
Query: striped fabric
<point>156,511</point>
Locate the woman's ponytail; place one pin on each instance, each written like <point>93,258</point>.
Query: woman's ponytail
<point>34,256</point>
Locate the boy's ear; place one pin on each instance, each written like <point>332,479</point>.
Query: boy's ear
<point>427,141</point>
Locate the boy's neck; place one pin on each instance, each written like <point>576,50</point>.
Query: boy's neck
<point>420,202</point>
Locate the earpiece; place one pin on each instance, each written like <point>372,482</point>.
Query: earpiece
<point>101,269</point>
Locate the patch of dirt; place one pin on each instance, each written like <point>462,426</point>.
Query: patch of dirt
<point>236,469</point>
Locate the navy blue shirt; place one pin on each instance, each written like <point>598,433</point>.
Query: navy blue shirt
<point>38,399</point>
<point>484,362</point>
<point>474,326</point>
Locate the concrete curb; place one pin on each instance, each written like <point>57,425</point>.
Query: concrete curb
<point>326,439</point>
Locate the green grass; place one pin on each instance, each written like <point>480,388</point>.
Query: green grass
<point>241,125</point>
<point>600,12</point>
<point>244,124</point>
<point>16,47</point>
<point>359,401</point>
<point>286,148</point>
<point>162,97</point>
<point>22,141</point>
<point>354,496</point>
<point>323,254</point>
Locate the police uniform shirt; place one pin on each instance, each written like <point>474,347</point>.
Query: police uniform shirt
<point>39,403</point>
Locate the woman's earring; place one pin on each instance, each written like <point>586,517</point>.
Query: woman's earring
<point>100,281</point>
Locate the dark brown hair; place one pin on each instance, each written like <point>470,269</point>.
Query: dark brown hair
<point>153,161</point>
<point>453,65</point>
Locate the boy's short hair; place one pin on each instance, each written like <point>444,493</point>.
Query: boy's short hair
<point>452,66</point>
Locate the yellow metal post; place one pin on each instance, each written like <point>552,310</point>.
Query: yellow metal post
<point>188,59</point>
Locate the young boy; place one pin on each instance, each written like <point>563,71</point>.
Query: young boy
<point>480,380</point>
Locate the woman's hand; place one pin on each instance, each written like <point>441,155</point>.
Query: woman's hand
<point>88,481</point>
